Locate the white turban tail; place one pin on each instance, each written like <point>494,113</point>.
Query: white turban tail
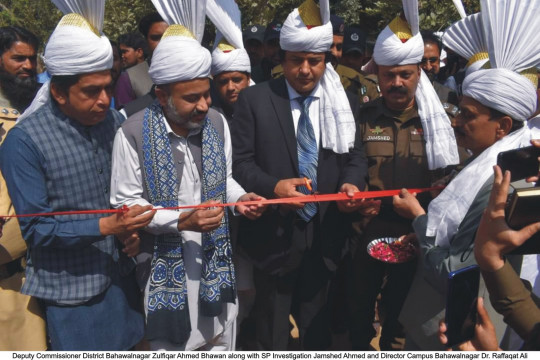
<point>234,60</point>
<point>337,122</point>
<point>179,58</point>
<point>503,90</point>
<point>72,50</point>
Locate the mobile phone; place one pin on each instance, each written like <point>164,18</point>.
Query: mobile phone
<point>461,302</point>
<point>522,163</point>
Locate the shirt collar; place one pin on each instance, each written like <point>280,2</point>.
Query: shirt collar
<point>293,94</point>
<point>402,116</point>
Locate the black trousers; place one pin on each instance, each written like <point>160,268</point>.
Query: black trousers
<point>299,289</point>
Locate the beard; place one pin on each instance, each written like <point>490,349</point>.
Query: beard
<point>19,91</point>
<point>177,119</point>
<point>431,76</point>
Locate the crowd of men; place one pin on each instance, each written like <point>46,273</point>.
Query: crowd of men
<point>154,124</point>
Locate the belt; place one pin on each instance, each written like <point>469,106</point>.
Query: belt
<point>11,268</point>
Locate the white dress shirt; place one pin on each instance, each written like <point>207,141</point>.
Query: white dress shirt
<point>314,111</point>
<point>127,188</point>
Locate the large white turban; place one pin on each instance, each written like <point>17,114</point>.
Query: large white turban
<point>503,90</point>
<point>179,58</point>
<point>74,49</point>
<point>401,44</point>
<point>233,60</point>
<point>295,35</point>
<point>179,55</point>
<point>76,46</point>
<point>337,122</point>
<point>390,50</point>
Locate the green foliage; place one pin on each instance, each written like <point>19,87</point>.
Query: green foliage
<point>38,16</point>
<point>41,16</point>
<point>121,16</point>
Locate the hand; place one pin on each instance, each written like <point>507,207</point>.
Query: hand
<point>131,242</point>
<point>129,221</point>
<point>350,205</point>
<point>370,207</point>
<point>494,237</point>
<point>442,182</point>
<point>252,212</point>
<point>535,143</point>
<point>407,206</point>
<point>201,220</point>
<point>287,188</point>
<point>485,338</point>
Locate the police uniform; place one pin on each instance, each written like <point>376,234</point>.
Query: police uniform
<point>358,83</point>
<point>352,81</point>
<point>395,148</point>
<point>23,327</point>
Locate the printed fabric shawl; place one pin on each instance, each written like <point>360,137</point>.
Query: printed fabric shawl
<point>168,313</point>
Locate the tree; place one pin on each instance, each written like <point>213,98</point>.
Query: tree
<point>122,16</point>
<point>41,16</point>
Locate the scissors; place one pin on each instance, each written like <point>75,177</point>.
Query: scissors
<point>307,183</point>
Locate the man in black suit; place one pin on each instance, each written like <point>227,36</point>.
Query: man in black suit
<point>295,247</point>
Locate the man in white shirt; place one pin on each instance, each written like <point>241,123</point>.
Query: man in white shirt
<point>174,153</point>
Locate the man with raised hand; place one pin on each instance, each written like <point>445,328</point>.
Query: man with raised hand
<point>58,159</point>
<point>177,152</point>
<point>285,131</point>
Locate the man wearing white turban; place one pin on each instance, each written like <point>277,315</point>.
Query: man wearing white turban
<point>494,110</point>
<point>177,152</point>
<point>406,134</point>
<point>231,67</point>
<point>285,132</point>
<point>58,159</point>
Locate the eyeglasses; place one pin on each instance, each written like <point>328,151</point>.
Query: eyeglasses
<point>430,60</point>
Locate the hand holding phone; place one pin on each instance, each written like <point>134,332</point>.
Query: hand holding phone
<point>522,163</point>
<point>485,337</point>
<point>461,306</point>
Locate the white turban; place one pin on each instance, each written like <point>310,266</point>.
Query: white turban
<point>466,38</point>
<point>76,46</point>
<point>337,122</point>
<point>233,60</point>
<point>503,90</point>
<point>229,53</point>
<point>73,50</point>
<point>390,50</point>
<point>295,36</point>
<point>179,58</point>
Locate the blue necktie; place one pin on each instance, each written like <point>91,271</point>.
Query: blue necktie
<point>308,154</point>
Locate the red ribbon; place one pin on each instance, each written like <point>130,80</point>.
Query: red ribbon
<point>298,199</point>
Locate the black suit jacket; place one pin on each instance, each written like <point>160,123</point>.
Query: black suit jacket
<point>264,152</point>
